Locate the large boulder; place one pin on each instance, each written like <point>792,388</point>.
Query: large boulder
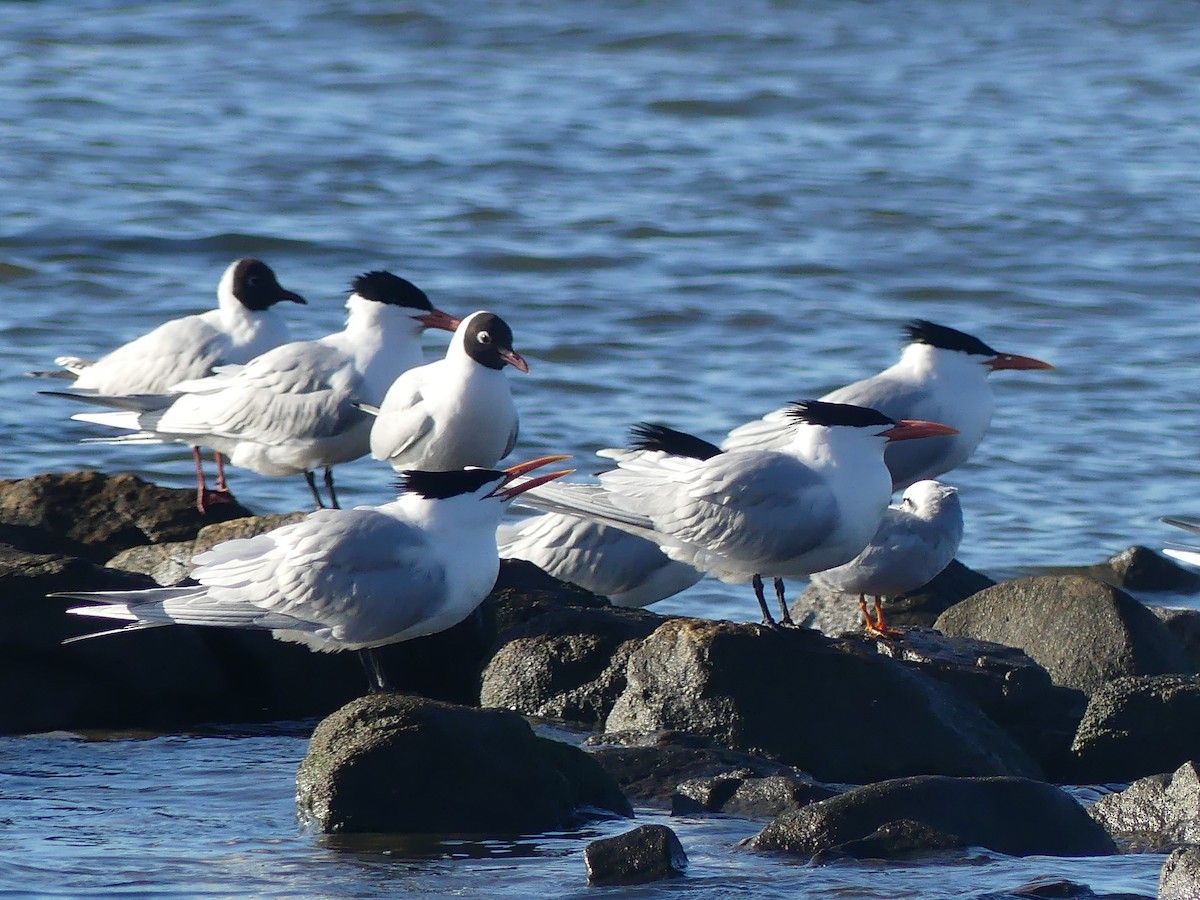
<point>1138,726</point>
<point>1184,625</point>
<point>1083,631</point>
<point>1137,568</point>
<point>1017,816</point>
<point>1180,878</point>
<point>567,663</point>
<point>1014,691</point>
<point>795,695</point>
<point>834,613</point>
<point>94,516</point>
<point>741,793</point>
<point>397,763</point>
<point>1155,813</point>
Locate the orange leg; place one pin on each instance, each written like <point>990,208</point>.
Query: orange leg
<point>876,627</point>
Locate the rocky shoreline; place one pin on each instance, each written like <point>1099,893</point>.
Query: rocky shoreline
<point>944,737</point>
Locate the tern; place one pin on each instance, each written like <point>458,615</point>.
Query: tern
<point>743,514</point>
<point>941,376</point>
<point>628,570</point>
<point>346,579</point>
<point>916,539</point>
<point>292,409</point>
<point>1185,553</point>
<point>457,411</point>
<point>243,325</point>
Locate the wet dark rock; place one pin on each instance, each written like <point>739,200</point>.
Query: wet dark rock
<point>1013,690</point>
<point>648,853</point>
<point>834,613</point>
<point>1017,816</point>
<point>1084,632</point>
<point>1154,813</point>
<point>1138,568</point>
<point>650,766</point>
<point>1138,726</point>
<point>95,516</point>
<point>797,696</point>
<point>741,793</point>
<point>895,840</point>
<point>1180,878</point>
<point>566,663</point>
<point>397,763</point>
<point>1184,625</point>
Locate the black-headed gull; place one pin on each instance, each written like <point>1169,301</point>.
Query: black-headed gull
<point>243,325</point>
<point>457,411</point>
<point>941,376</point>
<point>292,409</point>
<point>916,539</point>
<point>347,579</point>
<point>743,514</point>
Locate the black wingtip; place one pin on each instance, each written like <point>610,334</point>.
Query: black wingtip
<point>922,331</point>
<point>651,436</point>
<point>821,412</point>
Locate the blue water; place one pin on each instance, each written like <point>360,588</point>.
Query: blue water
<point>688,212</point>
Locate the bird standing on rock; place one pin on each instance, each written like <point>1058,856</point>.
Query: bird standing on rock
<point>744,514</point>
<point>941,376</point>
<point>353,579</point>
<point>243,325</point>
<point>457,411</point>
<point>291,410</point>
<point>916,539</point>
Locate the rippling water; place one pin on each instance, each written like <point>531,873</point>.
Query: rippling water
<point>689,212</point>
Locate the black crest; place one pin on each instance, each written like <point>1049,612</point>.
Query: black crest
<point>486,336</point>
<point>922,331</point>
<point>256,287</point>
<point>440,485</point>
<point>384,287</point>
<point>818,412</point>
<point>649,436</point>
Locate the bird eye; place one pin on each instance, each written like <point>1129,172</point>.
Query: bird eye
<point>252,280</point>
<point>483,337</point>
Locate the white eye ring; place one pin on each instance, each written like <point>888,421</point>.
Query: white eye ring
<point>483,337</point>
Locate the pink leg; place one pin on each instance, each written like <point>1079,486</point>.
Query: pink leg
<point>221,485</point>
<point>201,487</point>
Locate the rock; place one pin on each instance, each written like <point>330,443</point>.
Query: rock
<point>650,767</point>
<point>1084,632</point>
<point>1184,625</point>
<point>245,527</point>
<point>740,793</point>
<point>836,614</point>
<point>793,695</point>
<point>1138,726</point>
<point>1154,813</point>
<point>397,763</point>
<point>94,516</point>
<point>1017,816</point>
<point>1180,878</point>
<point>166,564</point>
<point>1057,888</point>
<point>1012,689</point>
<point>893,840</point>
<point>567,663</point>
<point>648,853</point>
<point>1138,568</point>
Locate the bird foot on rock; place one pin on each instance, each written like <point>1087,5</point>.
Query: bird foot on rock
<point>876,627</point>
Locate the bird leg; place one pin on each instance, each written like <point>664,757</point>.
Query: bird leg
<point>757,583</point>
<point>329,487</point>
<point>312,486</point>
<point>220,460</point>
<point>786,617</point>
<point>201,487</point>
<point>374,669</point>
<point>875,627</point>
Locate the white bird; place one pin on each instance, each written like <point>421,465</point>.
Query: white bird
<point>292,409</point>
<point>628,570</point>
<point>243,325</point>
<point>916,539</point>
<point>1185,553</point>
<point>743,514</point>
<point>352,579</point>
<point>457,411</point>
<point>941,376</point>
